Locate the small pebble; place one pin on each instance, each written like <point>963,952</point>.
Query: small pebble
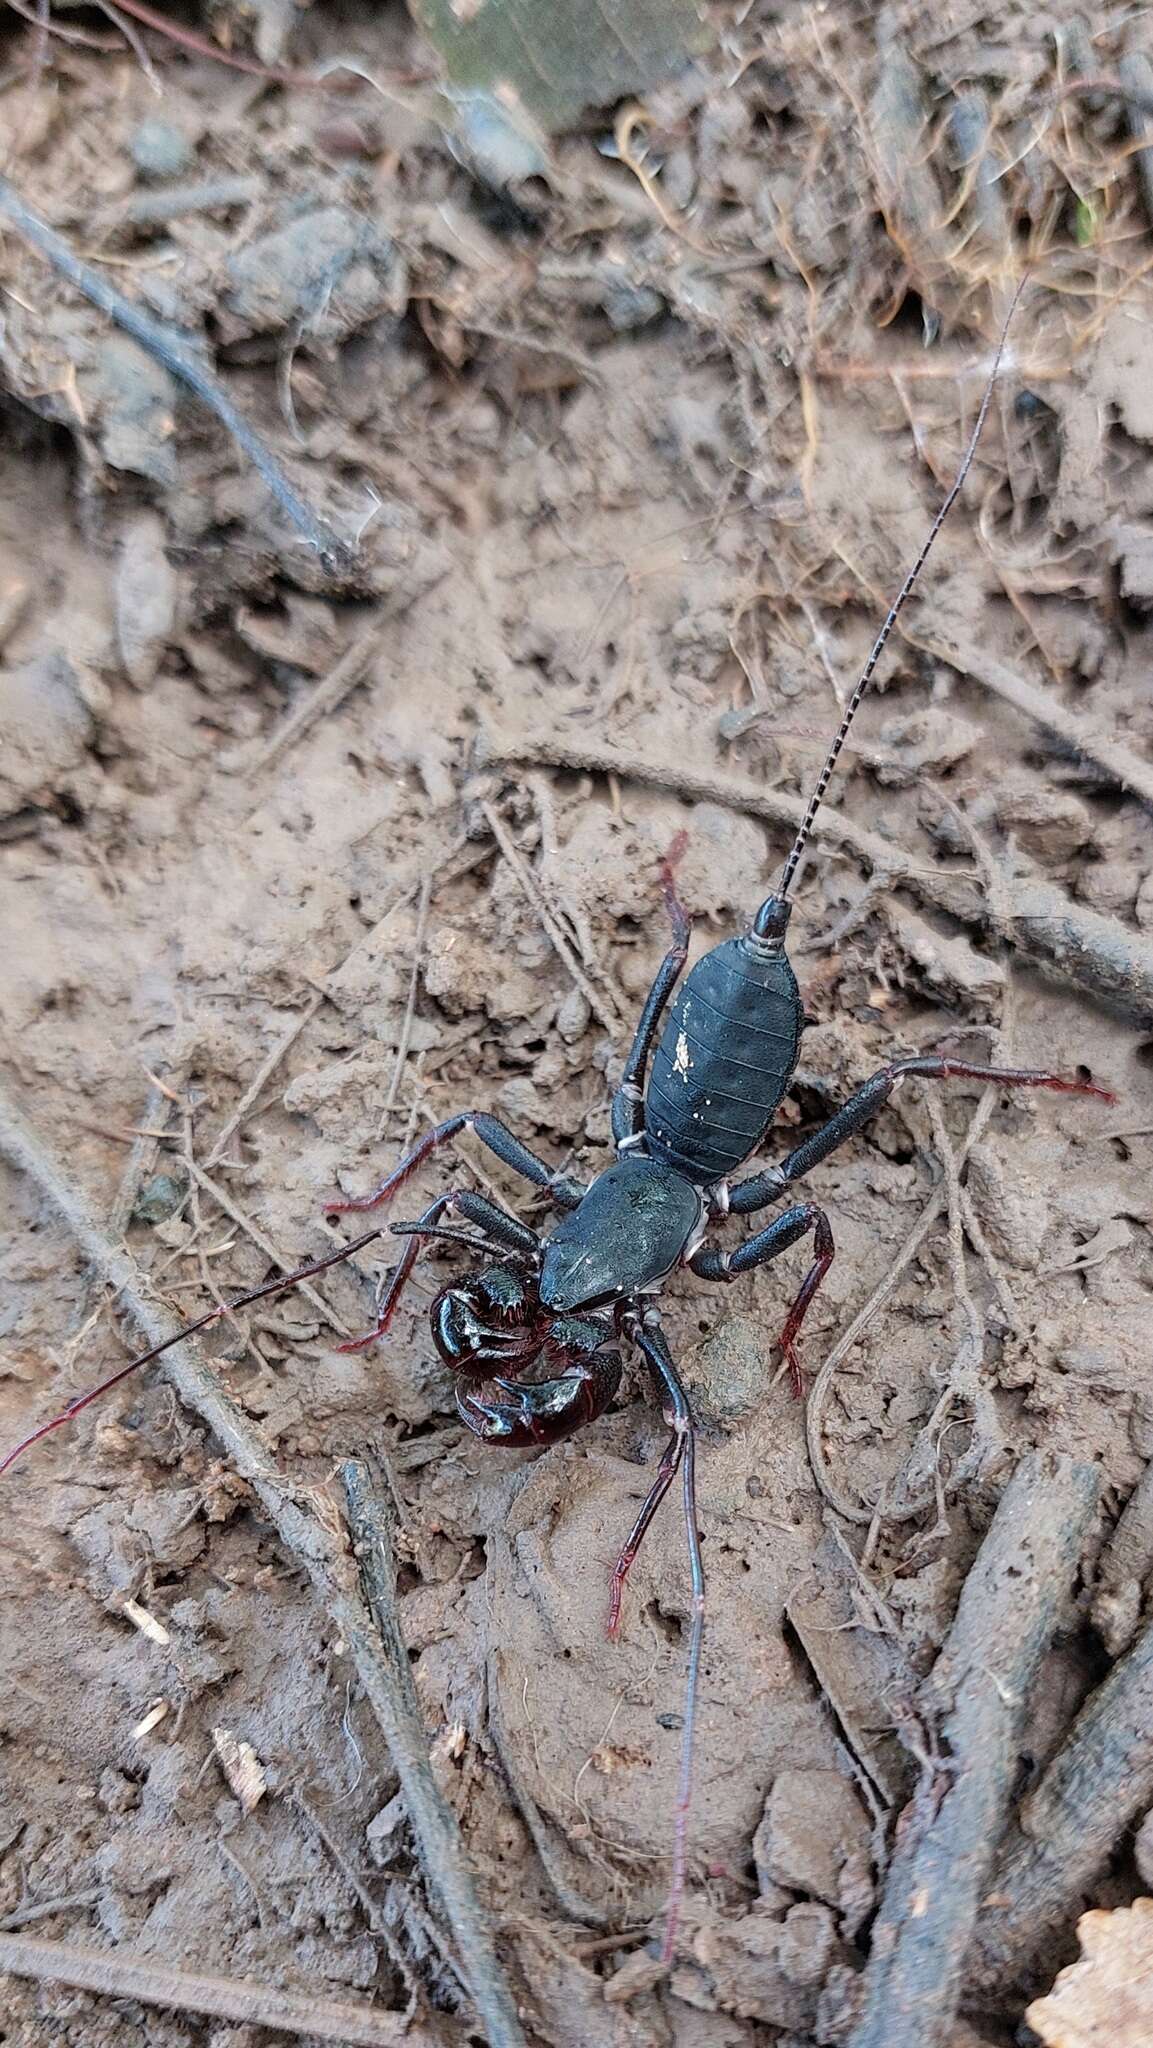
<point>629,306</point>
<point>160,150</point>
<point>158,1198</point>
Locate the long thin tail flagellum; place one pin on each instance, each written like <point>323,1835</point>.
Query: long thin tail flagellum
<point>895,609</point>
<point>213,1315</point>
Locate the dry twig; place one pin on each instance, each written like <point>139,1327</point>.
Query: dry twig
<point>239,1999</point>
<point>1068,1826</point>
<point>371,1521</point>
<point>852,1511</point>
<point>236,1215</point>
<point>535,895</point>
<point>975,1697</point>
<point>1115,760</point>
<point>177,356</point>
<point>325,696</point>
<point>1067,940</point>
<point>1125,1568</point>
<point>263,1074</point>
<point>405,1038</point>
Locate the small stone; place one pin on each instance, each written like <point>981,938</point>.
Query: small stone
<point>46,729</point>
<point>640,1972</point>
<point>158,1199</point>
<point>1050,824</point>
<point>132,399</point>
<point>808,1943</point>
<point>159,149</point>
<point>327,272</point>
<point>116,1793</point>
<point>168,1519</point>
<point>928,742</point>
<point>387,1831</point>
<point>1136,552</point>
<point>572,1019</point>
<point>731,1370</point>
<point>629,306</point>
<point>813,1827</point>
<point>145,598</point>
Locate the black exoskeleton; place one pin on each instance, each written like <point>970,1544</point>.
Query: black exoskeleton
<point>727,1053</point>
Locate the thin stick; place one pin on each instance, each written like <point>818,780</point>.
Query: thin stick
<point>224,1201</point>
<point>46,1909</point>
<point>177,356</point>
<point>738,792</point>
<point>692,1687</point>
<point>115,1975</point>
<point>974,1701</point>
<point>1116,761</point>
<point>373,1915</point>
<point>328,694</point>
<point>371,1521</point>
<point>213,1315</point>
<point>40,19</point>
<point>649,1339</point>
<point>405,1039</point>
<point>1071,943</point>
<point>818,1393</point>
<point>140,1161</point>
<point>561,947</point>
<point>263,1074</point>
<point>315,1539</point>
<point>1069,1824</point>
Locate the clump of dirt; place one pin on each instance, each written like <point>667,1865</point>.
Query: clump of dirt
<point>299,859</point>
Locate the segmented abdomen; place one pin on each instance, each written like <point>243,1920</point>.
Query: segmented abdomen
<point>725,1058</point>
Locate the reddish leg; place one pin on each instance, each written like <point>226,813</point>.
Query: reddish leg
<point>936,1067</point>
<point>678,1415</point>
<point>666,1472</point>
<point>680,1453</point>
<point>768,1244</point>
<point>854,1114</point>
<point>391,1302</point>
<point>825,1253</point>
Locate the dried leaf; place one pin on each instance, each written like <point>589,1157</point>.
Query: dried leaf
<point>557,60</point>
<point>242,1768</point>
<point>1107,1997</point>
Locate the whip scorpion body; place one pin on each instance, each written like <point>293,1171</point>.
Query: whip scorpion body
<point>534,1338</point>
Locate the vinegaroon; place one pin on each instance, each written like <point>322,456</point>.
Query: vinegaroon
<point>534,1338</point>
